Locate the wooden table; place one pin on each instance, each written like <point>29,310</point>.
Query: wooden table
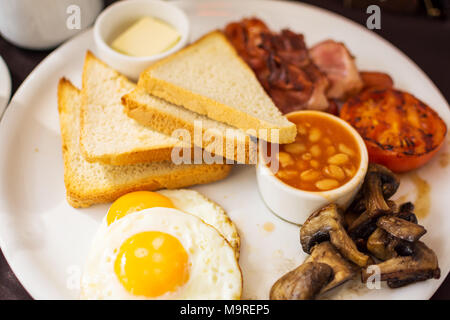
<point>425,41</point>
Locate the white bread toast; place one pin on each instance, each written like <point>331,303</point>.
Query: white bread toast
<point>108,135</point>
<point>209,77</point>
<point>216,137</point>
<point>90,183</point>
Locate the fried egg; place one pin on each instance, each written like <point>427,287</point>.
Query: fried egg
<point>195,203</point>
<point>188,201</point>
<point>161,253</point>
<point>136,201</point>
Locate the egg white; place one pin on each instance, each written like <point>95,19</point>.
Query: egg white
<point>195,203</point>
<point>214,272</point>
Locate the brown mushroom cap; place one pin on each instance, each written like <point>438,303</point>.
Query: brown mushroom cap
<point>400,271</point>
<point>401,228</point>
<point>390,184</point>
<point>406,212</point>
<point>326,224</point>
<point>379,184</point>
<point>389,180</point>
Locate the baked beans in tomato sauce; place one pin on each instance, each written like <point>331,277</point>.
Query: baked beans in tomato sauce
<point>324,156</point>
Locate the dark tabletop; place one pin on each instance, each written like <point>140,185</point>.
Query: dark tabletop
<point>424,40</point>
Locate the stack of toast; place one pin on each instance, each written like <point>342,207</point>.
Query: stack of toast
<point>120,137</point>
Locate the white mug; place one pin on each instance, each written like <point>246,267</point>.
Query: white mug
<point>43,24</point>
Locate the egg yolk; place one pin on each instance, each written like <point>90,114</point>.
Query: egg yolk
<point>151,264</point>
<point>136,201</point>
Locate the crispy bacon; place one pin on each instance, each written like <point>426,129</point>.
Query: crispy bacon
<point>287,45</point>
<point>246,37</point>
<point>288,86</point>
<point>281,63</point>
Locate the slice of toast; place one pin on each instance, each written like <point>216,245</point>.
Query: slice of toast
<point>90,183</point>
<point>108,135</point>
<point>209,77</point>
<point>216,137</point>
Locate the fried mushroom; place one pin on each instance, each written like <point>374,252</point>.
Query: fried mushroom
<point>378,244</point>
<point>384,246</point>
<point>302,283</point>
<point>379,185</point>
<point>401,228</point>
<point>403,270</point>
<point>406,212</point>
<point>342,269</point>
<point>327,224</point>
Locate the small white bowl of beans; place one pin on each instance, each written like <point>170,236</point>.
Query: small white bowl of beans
<point>326,163</point>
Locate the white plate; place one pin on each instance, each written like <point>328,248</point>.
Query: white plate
<point>5,86</point>
<point>46,241</point>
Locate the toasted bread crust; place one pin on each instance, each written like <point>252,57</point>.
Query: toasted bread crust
<point>199,174</point>
<point>209,107</point>
<point>168,123</point>
<point>79,195</point>
<point>132,157</point>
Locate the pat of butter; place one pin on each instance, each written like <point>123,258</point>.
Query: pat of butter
<point>146,37</point>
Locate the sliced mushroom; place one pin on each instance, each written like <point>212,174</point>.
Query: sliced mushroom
<point>388,240</point>
<point>379,184</point>
<point>392,206</point>
<point>400,271</point>
<point>402,247</point>
<point>390,186</point>
<point>378,245</point>
<point>326,224</point>
<point>401,228</point>
<point>407,207</point>
<point>302,283</point>
<point>389,180</point>
<point>352,213</point>
<point>384,246</point>
<point>342,269</point>
<point>406,212</point>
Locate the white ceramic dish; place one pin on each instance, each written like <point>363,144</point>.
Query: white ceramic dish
<point>296,205</point>
<point>5,86</point>
<point>120,15</point>
<point>42,25</point>
<point>46,241</point>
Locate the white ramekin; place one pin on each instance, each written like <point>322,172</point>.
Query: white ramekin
<point>117,17</point>
<point>295,205</point>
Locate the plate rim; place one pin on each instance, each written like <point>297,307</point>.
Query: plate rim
<point>13,264</point>
<point>30,78</point>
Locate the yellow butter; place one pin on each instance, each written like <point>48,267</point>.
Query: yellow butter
<point>147,36</point>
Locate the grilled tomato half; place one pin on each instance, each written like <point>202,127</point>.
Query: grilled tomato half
<point>400,131</point>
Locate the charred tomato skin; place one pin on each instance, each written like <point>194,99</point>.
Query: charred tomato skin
<point>398,162</point>
<point>400,131</point>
